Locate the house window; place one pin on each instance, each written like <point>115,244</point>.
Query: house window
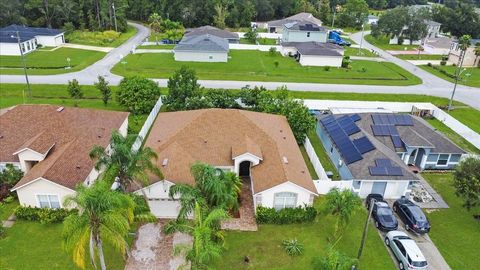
<point>443,159</point>
<point>285,200</point>
<point>210,57</point>
<point>22,46</point>
<point>455,158</point>
<point>308,34</point>
<point>48,201</point>
<point>432,158</point>
<point>331,149</point>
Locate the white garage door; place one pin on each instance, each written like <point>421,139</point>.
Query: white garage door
<point>58,40</point>
<point>164,208</point>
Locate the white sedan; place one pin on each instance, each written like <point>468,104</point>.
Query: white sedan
<point>406,251</point>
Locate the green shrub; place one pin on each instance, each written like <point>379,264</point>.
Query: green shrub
<point>138,94</point>
<point>9,199</point>
<point>272,51</point>
<point>326,68</point>
<point>43,215</point>
<point>286,216</point>
<point>443,63</point>
<point>276,63</point>
<point>346,62</point>
<point>292,247</point>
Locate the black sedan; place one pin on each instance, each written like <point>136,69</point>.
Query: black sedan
<point>377,197</point>
<point>383,216</point>
<point>411,215</point>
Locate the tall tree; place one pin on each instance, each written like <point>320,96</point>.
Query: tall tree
<point>416,29</point>
<point>466,180</point>
<point>354,13</point>
<point>221,14</point>
<point>75,90</point>
<point>104,216</point>
<point>342,204</point>
<point>334,260</point>
<point>182,88</point>
<point>131,167</point>
<point>102,86</point>
<point>155,21</point>
<point>324,11</point>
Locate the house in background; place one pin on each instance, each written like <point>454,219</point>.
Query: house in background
<point>202,48</point>
<point>30,38</point>
<point>314,53</point>
<point>51,145</point>
<point>303,31</point>
<point>470,59</point>
<point>380,153</point>
<point>276,26</point>
<point>372,19</point>
<point>212,31</point>
<point>433,31</point>
<point>438,45</point>
<point>258,147</point>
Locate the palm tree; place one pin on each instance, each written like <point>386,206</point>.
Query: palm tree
<point>207,237</point>
<point>155,21</point>
<point>131,166</point>
<point>342,204</point>
<point>104,215</point>
<point>213,188</point>
<point>334,260</point>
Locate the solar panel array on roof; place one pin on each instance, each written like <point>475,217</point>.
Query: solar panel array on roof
<point>384,167</point>
<point>397,142</point>
<point>347,124</point>
<point>392,119</point>
<point>363,145</point>
<point>308,27</point>
<point>384,130</point>
<point>339,135</point>
<point>355,117</point>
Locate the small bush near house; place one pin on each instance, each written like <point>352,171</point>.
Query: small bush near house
<point>346,62</point>
<point>292,247</point>
<point>44,215</point>
<point>326,68</point>
<point>443,63</point>
<point>272,51</point>
<point>286,216</point>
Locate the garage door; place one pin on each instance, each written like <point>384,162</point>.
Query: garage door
<point>379,187</point>
<point>58,40</point>
<point>164,208</point>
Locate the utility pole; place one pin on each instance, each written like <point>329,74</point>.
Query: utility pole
<point>458,72</point>
<point>114,16</point>
<point>361,40</point>
<point>365,229</point>
<point>24,65</point>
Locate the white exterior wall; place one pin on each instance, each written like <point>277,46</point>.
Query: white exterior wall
<point>405,41</point>
<point>201,56</point>
<point>13,49</point>
<point>262,48</point>
<point>321,61</point>
<point>288,50</point>
<point>254,160</point>
<point>302,36</point>
<point>434,50</point>
<point>50,41</point>
<point>29,155</point>
<point>394,189</point>
<point>267,197</point>
<point>124,128</point>
<point>27,195</point>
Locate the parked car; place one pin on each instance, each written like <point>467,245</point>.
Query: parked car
<point>406,251</point>
<point>377,197</point>
<point>384,218</point>
<point>411,215</point>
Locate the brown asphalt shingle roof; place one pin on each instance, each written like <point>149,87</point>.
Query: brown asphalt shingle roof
<point>213,136</point>
<point>72,133</point>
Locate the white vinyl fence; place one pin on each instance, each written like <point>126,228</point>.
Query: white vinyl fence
<point>263,35</point>
<point>314,160</point>
<point>146,126</point>
<point>324,186</point>
<point>263,48</point>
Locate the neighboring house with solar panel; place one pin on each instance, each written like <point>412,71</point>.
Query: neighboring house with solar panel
<point>202,48</point>
<point>30,38</point>
<point>381,153</point>
<point>314,53</point>
<point>303,31</point>
<point>277,26</point>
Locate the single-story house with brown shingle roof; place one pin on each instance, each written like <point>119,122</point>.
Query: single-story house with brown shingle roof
<point>51,145</point>
<point>254,145</point>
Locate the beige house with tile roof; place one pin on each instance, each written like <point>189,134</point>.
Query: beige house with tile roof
<point>251,144</point>
<point>51,145</point>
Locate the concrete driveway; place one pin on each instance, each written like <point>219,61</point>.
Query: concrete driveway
<point>432,254</point>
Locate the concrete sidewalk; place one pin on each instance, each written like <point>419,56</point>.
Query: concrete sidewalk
<point>87,47</point>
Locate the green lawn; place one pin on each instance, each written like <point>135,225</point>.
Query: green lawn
<point>99,38</point>
<point>160,46</point>
<point>50,62</point>
<point>322,154</point>
<point>308,162</point>
<point>349,51</point>
<point>31,245</point>
<point>452,135</point>
<point>6,209</point>
<point>382,43</point>
<point>471,80</point>
<point>260,66</point>
<point>266,252</point>
<point>420,57</point>
<point>11,94</point>
<point>454,231</point>
<point>261,41</point>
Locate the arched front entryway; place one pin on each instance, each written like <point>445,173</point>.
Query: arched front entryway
<point>244,168</point>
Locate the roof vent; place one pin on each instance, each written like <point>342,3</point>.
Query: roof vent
<point>60,109</point>
<point>99,136</point>
<point>281,130</point>
<point>1,136</point>
<point>285,160</point>
<point>284,138</point>
<point>78,167</point>
<point>165,162</point>
<point>159,140</point>
<point>205,141</point>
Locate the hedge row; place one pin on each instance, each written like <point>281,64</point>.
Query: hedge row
<point>286,215</point>
<point>44,215</point>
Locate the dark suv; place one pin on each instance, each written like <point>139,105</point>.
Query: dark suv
<point>377,197</point>
<point>411,215</point>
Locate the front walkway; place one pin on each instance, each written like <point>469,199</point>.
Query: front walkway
<point>246,221</point>
<point>153,250</point>
<point>86,47</point>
